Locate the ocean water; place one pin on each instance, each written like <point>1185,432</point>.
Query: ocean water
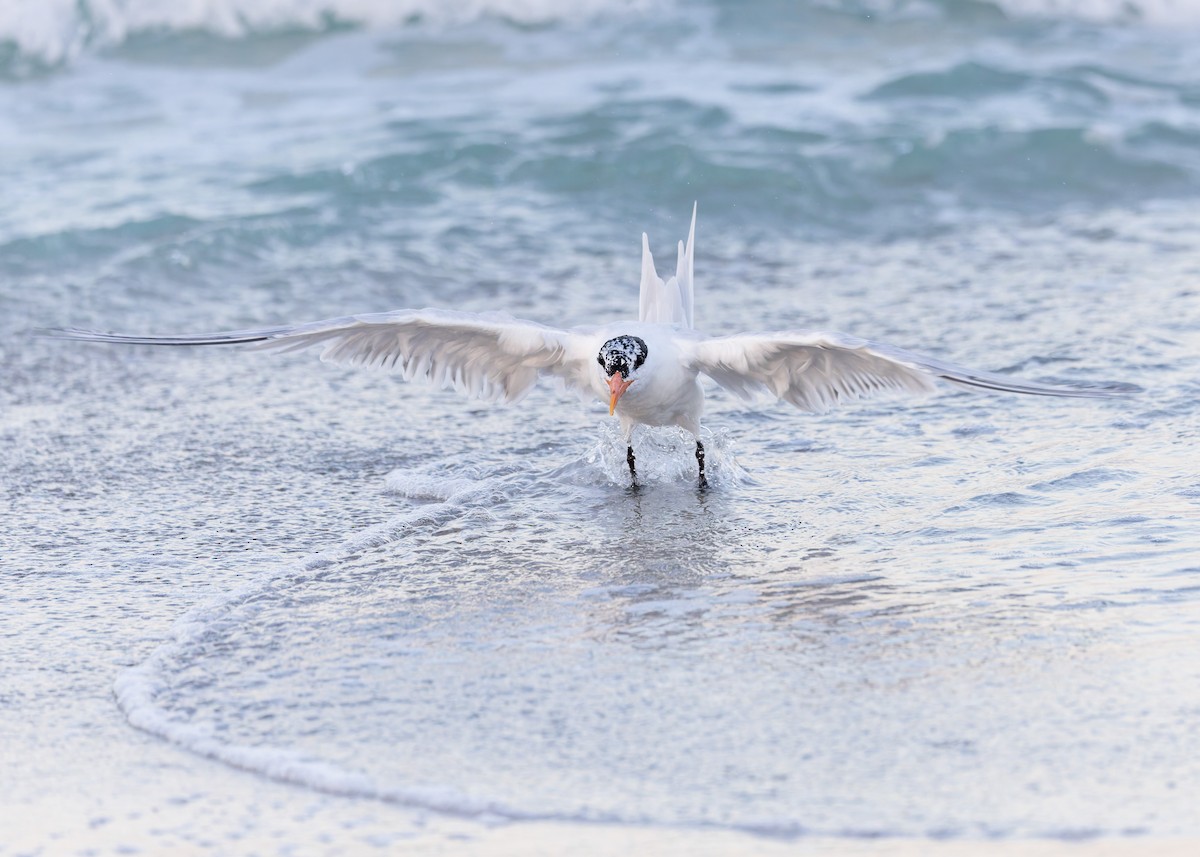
<point>255,603</point>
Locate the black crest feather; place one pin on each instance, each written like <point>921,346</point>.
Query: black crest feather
<point>622,354</point>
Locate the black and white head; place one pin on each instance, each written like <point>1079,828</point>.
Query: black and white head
<point>620,358</point>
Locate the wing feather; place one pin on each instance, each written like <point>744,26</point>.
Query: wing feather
<point>670,302</point>
<point>489,355</point>
<point>816,371</point>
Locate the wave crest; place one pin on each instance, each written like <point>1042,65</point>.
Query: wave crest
<point>48,33</point>
<point>1152,12</point>
<point>39,35</point>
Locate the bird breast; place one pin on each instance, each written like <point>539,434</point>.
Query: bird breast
<point>665,390</point>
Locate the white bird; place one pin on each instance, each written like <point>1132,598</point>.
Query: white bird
<point>648,370</point>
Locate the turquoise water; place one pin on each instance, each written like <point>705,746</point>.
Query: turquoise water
<point>327,592</point>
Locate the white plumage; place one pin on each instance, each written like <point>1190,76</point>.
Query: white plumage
<point>649,370</point>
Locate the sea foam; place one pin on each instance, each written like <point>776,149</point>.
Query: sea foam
<point>137,688</point>
<point>51,32</point>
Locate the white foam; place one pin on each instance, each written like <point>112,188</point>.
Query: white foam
<point>137,688</point>
<point>427,486</point>
<point>56,31</point>
<point>52,32</point>
<point>1152,12</point>
<point>1157,12</point>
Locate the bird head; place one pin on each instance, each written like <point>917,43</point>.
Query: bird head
<point>620,358</point>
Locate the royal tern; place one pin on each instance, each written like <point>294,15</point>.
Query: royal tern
<point>648,370</point>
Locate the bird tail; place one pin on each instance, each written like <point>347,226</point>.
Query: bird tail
<point>671,302</point>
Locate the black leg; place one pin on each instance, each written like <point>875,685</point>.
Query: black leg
<point>700,461</point>
<point>629,458</point>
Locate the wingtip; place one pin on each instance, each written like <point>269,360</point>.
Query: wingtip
<point>61,333</point>
<point>647,256</point>
<point>1101,390</point>
<point>688,251</point>
<point>1120,390</point>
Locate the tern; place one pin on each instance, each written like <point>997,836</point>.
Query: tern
<point>647,370</point>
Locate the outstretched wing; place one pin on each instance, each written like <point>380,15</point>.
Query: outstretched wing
<point>489,355</point>
<point>816,371</point>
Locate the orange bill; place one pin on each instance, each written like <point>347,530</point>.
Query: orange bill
<point>617,386</point>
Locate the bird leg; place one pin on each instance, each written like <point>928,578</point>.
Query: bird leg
<point>700,461</point>
<point>630,459</point>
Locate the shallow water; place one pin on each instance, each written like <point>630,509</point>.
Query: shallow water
<point>354,607</point>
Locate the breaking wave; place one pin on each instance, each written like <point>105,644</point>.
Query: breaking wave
<point>49,33</point>
<point>37,35</point>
